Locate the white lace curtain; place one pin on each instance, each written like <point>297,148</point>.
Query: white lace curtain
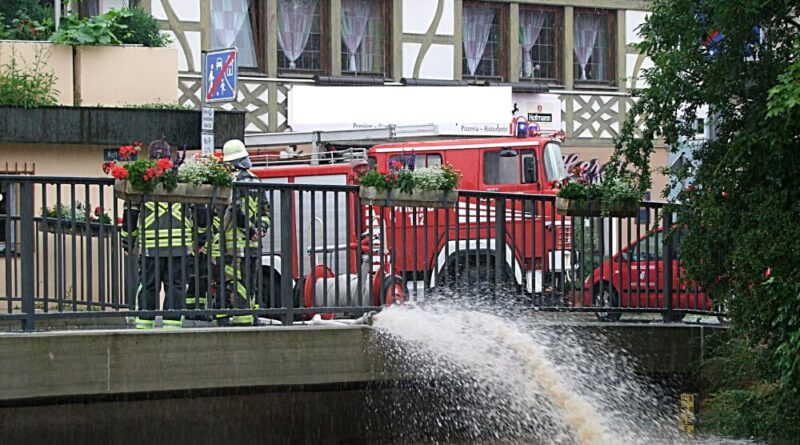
<point>587,26</point>
<point>231,27</point>
<point>295,18</point>
<point>530,26</point>
<point>477,26</point>
<point>356,15</point>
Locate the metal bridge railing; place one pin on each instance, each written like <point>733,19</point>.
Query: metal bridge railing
<point>70,249</point>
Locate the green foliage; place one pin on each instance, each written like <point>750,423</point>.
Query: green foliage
<point>205,170</point>
<point>579,191</point>
<point>97,30</point>
<point>116,27</point>
<point>27,87</point>
<point>22,27</point>
<point>142,28</point>
<point>34,10</point>
<point>77,213</point>
<point>742,214</point>
<point>444,178</point>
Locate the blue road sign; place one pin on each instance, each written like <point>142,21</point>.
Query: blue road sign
<point>221,70</point>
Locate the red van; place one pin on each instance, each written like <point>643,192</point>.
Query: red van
<point>634,278</point>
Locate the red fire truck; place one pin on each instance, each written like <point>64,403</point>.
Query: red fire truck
<point>419,243</point>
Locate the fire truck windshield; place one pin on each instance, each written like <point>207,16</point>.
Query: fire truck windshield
<point>553,162</point>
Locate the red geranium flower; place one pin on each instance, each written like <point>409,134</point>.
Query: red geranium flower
<point>768,273</point>
<point>108,166</point>
<point>119,172</point>
<point>119,220</point>
<point>164,164</point>
<point>98,211</point>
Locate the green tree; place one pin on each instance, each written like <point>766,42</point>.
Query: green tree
<point>743,211</point>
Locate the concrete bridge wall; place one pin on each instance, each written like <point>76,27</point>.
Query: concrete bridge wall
<point>283,385</point>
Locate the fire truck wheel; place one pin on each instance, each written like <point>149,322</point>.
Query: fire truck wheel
<point>606,297</point>
<point>477,275</point>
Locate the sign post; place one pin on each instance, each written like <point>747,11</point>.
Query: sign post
<point>220,77</point>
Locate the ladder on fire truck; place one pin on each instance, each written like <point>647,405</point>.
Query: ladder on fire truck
<point>352,138</point>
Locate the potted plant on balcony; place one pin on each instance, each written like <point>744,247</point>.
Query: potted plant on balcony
<point>620,197</point>
<point>616,195</point>
<point>577,198</point>
<point>425,187</point>
<point>76,219</point>
<point>200,180</point>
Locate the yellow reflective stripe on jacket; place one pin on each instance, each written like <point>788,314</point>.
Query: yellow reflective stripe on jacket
<point>180,235</point>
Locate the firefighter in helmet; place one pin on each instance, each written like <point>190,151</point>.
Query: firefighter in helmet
<point>236,245</point>
<point>164,236</point>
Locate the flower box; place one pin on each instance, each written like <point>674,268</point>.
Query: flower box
<point>50,224</point>
<point>578,207</point>
<point>572,207</point>
<point>417,198</point>
<point>182,193</point>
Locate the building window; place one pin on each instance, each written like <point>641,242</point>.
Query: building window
<point>7,225</point>
<point>593,44</point>
<point>483,42</point>
<point>231,27</point>
<point>299,35</point>
<point>540,43</point>
<point>364,36</point>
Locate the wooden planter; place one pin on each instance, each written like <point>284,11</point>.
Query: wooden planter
<point>50,224</point>
<point>574,207</point>
<point>183,193</point>
<point>594,208</point>
<point>417,198</point>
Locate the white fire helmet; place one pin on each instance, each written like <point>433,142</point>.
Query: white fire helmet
<point>233,149</point>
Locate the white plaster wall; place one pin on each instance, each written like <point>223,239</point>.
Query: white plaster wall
<point>447,24</point>
<point>418,15</point>
<point>438,63</point>
<point>633,19</point>
<point>186,10</point>
<point>193,37</point>
<point>410,51</point>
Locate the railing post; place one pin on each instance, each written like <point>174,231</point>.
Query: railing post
<point>667,271</point>
<point>287,300</point>
<point>499,240</point>
<point>28,263</point>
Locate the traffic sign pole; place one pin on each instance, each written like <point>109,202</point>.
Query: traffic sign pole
<point>219,81</point>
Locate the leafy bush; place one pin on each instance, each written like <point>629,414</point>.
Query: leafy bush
<point>22,27</point>
<point>27,87</point>
<point>142,29</point>
<point>116,27</point>
<point>98,30</point>
<point>34,10</point>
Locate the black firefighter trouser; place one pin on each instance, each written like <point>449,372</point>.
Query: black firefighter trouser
<point>158,271</point>
<point>198,291</point>
<point>240,275</point>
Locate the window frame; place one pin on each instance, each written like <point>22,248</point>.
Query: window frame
<point>324,46</point>
<point>502,41</point>
<point>611,48</point>
<point>386,16</point>
<point>558,43</point>
<point>522,153</point>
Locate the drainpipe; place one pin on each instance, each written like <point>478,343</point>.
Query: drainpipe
<point>56,13</point>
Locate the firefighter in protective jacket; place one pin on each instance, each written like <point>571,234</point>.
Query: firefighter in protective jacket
<point>236,245</point>
<point>164,235</point>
